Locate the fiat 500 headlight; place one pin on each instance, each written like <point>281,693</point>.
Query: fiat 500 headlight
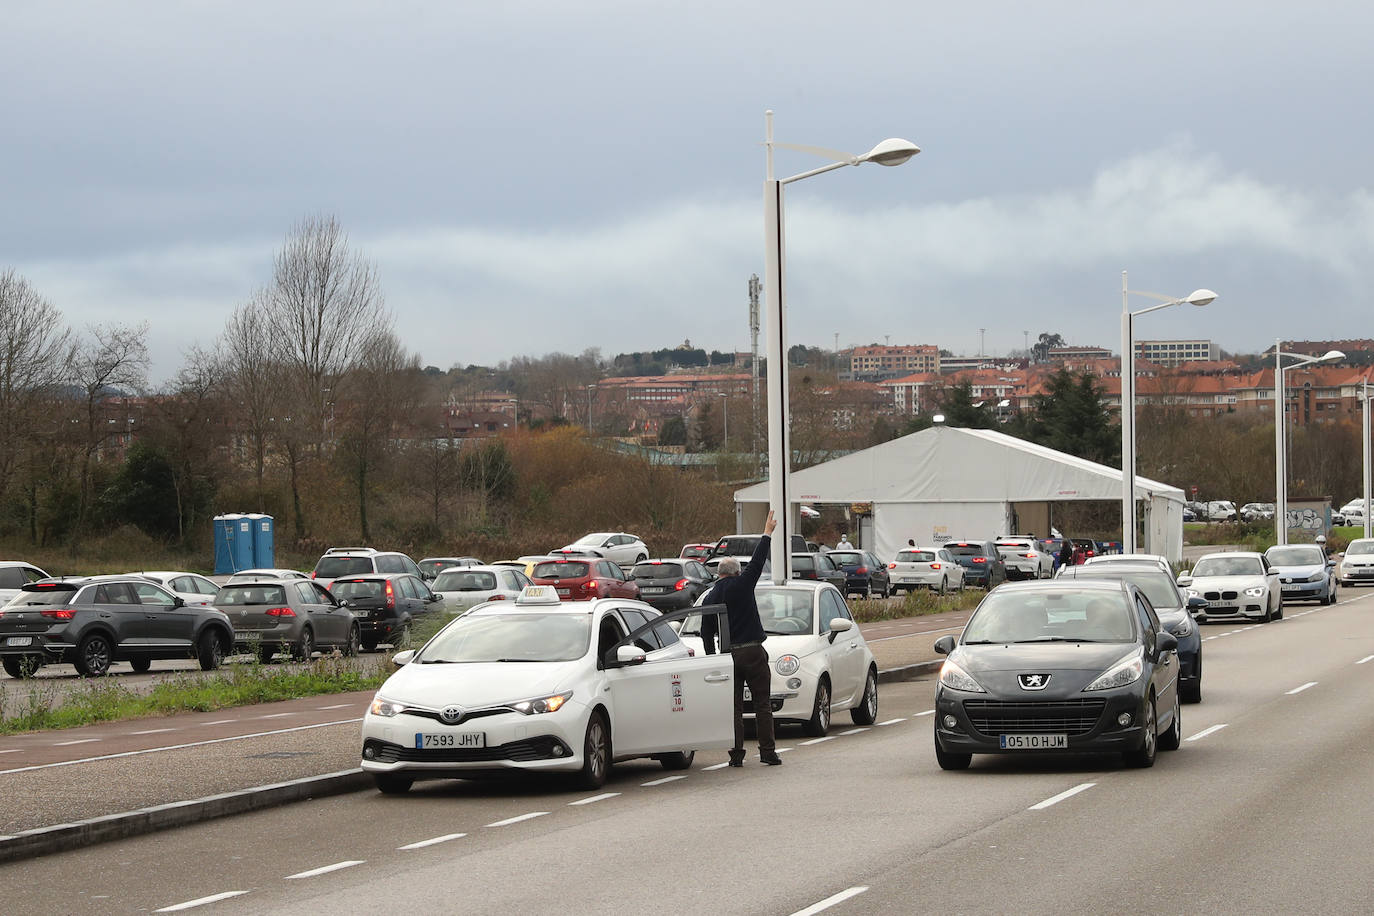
<point>1254,592</point>
<point>786,665</point>
<point>951,675</point>
<point>385,708</point>
<point>1125,671</point>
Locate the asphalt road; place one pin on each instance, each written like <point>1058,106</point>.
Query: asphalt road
<point>1266,808</point>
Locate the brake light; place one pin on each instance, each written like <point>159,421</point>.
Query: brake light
<point>679,585</point>
<point>892,566</point>
<point>65,613</point>
<point>1028,556</point>
<point>280,612</point>
<point>497,598</point>
<point>861,571</point>
<point>313,574</point>
<point>390,596</point>
<point>980,559</point>
<point>934,565</point>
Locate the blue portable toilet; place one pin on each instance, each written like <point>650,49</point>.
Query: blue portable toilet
<point>230,543</point>
<point>264,553</point>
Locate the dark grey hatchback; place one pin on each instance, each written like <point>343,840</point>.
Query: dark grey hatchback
<point>95,621</point>
<point>1066,667</point>
<point>671,584</point>
<point>295,616</point>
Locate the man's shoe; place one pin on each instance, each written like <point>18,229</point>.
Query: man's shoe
<point>771,760</point>
<point>737,760</point>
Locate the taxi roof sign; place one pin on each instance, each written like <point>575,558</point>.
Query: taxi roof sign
<point>538,594</point>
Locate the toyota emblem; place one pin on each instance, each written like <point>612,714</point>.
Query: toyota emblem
<point>1033,681</point>
<point>452,714</point>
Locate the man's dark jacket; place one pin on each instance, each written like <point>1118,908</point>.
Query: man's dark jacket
<point>737,594</point>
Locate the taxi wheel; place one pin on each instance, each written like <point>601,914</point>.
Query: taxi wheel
<point>949,760</point>
<point>141,665</point>
<point>596,753</point>
<point>819,723</point>
<point>391,784</point>
<point>677,760</point>
<point>1144,756</point>
<point>866,713</point>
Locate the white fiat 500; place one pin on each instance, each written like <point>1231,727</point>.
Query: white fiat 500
<point>819,658</point>
<point>535,684</point>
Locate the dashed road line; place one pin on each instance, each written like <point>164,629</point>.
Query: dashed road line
<point>1056,799</point>
<point>13,750</point>
<point>201,901</point>
<point>928,712</point>
<point>1206,731</point>
<point>892,721</point>
<point>716,766</point>
<point>665,779</point>
<point>1365,659</point>
<point>220,722</point>
<point>336,706</point>
<point>153,731</point>
<point>77,741</point>
<point>830,901</point>
<point>434,842</point>
<point>853,731</point>
<point>819,740</point>
<point>276,715</point>
<point>594,799</point>
<point>324,869</point>
<point>518,818</point>
<point>1302,688</point>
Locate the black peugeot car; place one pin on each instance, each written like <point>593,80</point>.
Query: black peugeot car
<point>672,583</point>
<point>95,621</point>
<point>1053,666</point>
<point>385,604</point>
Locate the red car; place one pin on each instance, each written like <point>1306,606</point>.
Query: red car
<point>582,579</point>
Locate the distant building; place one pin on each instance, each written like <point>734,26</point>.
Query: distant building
<point>883,362</point>
<point>1319,347</point>
<point>1060,354</point>
<point>1173,353</point>
<point>950,364</point>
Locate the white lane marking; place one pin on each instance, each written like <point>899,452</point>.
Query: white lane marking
<point>830,901</point>
<point>716,766</point>
<point>594,799</point>
<point>515,820</point>
<point>928,712</point>
<point>324,869</point>
<point>434,842</point>
<point>213,898</point>
<point>153,731</point>
<point>177,747</point>
<point>854,731</point>
<point>336,706</point>
<point>77,741</point>
<point>13,750</point>
<point>665,779</point>
<point>1206,731</point>
<point>819,740</point>
<point>1067,793</point>
<point>220,722</point>
<point>783,750</point>
<point>892,721</point>
<point>1302,688</point>
<point>276,715</point>
<point>1365,659</point>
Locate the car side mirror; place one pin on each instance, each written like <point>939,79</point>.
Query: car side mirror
<point>178,601</point>
<point>1197,607</point>
<point>431,598</point>
<point>1165,642</point>
<point>629,655</point>
<point>1330,562</point>
<point>402,658</point>
<point>343,602</point>
<point>945,645</point>
<point>841,624</point>
<point>1185,580</point>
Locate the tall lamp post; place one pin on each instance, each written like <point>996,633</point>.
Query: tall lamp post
<point>1365,398</point>
<point>1198,297</point>
<point>889,152</point>
<point>725,432</point>
<point>1280,431</point>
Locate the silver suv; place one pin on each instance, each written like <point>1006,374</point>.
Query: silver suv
<point>361,561</point>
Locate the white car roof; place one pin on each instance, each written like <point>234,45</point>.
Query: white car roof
<point>486,567</point>
<point>1229,553</point>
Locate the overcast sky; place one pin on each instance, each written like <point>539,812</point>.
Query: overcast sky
<point>541,176</point>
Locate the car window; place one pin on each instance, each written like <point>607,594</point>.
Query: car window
<point>148,593</point>
<point>1228,566</point>
<point>1157,585</point>
<point>634,619</point>
<point>1068,614</point>
<point>411,588</point>
<point>46,593</point>
<point>11,577</point>
<point>336,566</point>
<point>657,571</point>
<point>846,557</point>
<point>1148,621</point>
<point>608,634</point>
<point>359,588</point>
<point>916,556</point>
<point>784,612</point>
<point>832,606</point>
<point>305,593</point>
<point>610,570</point>
<point>560,569</point>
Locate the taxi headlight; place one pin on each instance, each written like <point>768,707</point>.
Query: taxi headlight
<point>788,664</point>
<point>1182,628</point>
<point>1126,671</point>
<point>551,703</point>
<point>385,708</point>
<point>1254,592</point>
<point>951,675</point>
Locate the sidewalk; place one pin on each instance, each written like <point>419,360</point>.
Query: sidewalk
<point>152,774</point>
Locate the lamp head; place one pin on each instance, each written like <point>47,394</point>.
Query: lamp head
<point>1201,297</point>
<point>1331,356</point>
<point>892,151</point>
<point>1004,403</point>
<point>938,418</point>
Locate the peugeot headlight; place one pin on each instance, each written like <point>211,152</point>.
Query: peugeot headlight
<point>788,664</point>
<point>1126,671</point>
<point>1255,592</point>
<point>385,708</point>
<point>951,675</point>
<point>551,703</point>
<point>1182,628</point>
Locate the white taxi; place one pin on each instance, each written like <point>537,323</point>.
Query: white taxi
<point>536,684</point>
<point>819,659</point>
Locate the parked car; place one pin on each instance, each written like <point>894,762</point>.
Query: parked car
<point>1189,514</point>
<point>819,659</point>
<point>818,567</point>
<point>291,616</point>
<point>741,547</point>
<point>386,605</point>
<point>189,587</point>
<point>1058,666</point>
<point>432,566</point>
<point>1238,584</point>
<point>616,546</point>
<point>695,551</point>
<point>254,575</point>
<point>1179,613</point>
<point>94,621</point>
<point>983,566</point>
<point>14,574</point>
<point>1305,572</point>
<point>525,564</point>
<point>361,561</point>
<point>546,686</point>
<point>1023,558</point>
<point>464,587</point>
<point>928,567</point>
<point>1254,512</point>
<point>672,583</point>
<point>864,573</point>
<point>1356,564</point>
<point>1220,510</point>
<point>581,579</point>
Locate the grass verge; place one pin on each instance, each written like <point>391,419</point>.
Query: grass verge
<point>919,603</point>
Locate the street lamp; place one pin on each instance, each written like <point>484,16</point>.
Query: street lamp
<point>1198,297</point>
<point>1365,398</point>
<point>725,433</point>
<point>889,152</point>
<point>1280,431</point>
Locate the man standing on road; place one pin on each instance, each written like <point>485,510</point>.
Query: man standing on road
<point>844,543</point>
<point>1066,553</point>
<point>735,589</point>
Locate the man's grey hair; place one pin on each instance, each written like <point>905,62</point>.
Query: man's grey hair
<point>728,567</point>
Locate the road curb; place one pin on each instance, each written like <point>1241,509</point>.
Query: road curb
<point>61,837</point>
<point>909,672</point>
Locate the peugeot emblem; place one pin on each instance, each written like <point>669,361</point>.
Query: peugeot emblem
<point>452,714</point>
<point>1033,681</point>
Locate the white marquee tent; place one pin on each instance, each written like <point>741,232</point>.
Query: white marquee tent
<point>944,483</point>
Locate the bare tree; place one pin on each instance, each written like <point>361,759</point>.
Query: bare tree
<point>35,356</point>
<point>252,379</point>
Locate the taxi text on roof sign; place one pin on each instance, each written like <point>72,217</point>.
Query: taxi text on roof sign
<point>538,594</point>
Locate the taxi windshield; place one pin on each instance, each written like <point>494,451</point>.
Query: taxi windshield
<point>1051,616</point>
<point>521,637</point>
